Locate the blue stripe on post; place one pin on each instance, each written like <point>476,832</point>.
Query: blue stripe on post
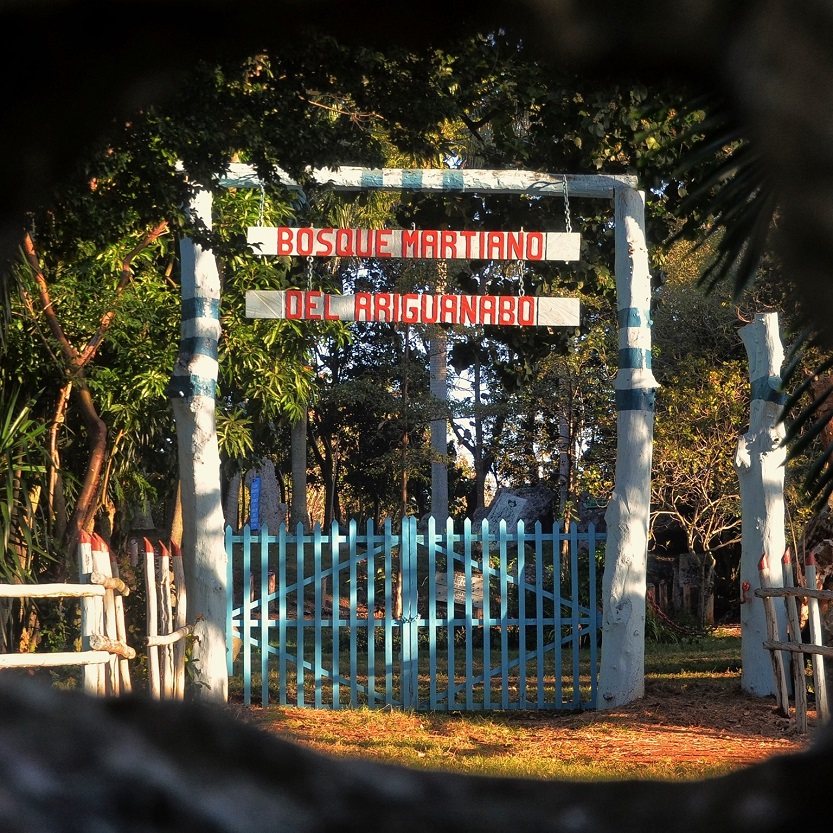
<point>635,399</point>
<point>634,317</point>
<point>371,179</point>
<point>200,346</point>
<point>189,386</point>
<point>200,308</point>
<point>412,179</point>
<point>768,388</point>
<point>453,180</point>
<point>634,358</point>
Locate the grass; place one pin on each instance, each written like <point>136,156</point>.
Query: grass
<point>562,745</point>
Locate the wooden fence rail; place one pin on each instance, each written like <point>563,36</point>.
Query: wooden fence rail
<point>795,647</point>
<point>166,621</point>
<point>104,650</point>
<point>105,654</point>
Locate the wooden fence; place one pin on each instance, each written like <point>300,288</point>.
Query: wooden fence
<point>167,627</point>
<point>795,648</point>
<point>104,654</point>
<point>104,650</point>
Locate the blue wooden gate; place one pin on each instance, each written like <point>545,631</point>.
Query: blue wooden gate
<point>482,618</point>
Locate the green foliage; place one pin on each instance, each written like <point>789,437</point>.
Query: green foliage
<point>481,99</point>
<point>22,470</point>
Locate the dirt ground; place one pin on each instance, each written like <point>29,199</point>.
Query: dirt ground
<point>689,729</point>
<point>695,720</point>
<point>683,725</point>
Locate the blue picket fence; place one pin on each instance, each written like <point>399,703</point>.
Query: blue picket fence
<point>476,619</point>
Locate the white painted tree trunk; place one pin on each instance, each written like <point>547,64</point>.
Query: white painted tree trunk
<point>759,462</point>
<point>438,347</point>
<point>622,671</point>
<point>192,390</point>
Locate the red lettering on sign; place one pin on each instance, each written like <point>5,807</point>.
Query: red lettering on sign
<point>324,239</point>
<point>507,310</point>
<point>534,245</point>
<point>487,309</point>
<point>526,310</point>
<point>448,244</point>
<point>515,245</point>
<point>410,243</point>
<point>430,244</point>
<point>328,315</point>
<point>303,241</point>
<point>468,236</point>
<point>294,304</point>
<point>365,250</point>
<point>429,317</point>
<point>383,307</point>
<point>495,248</point>
<point>383,240</point>
<point>410,308</point>
<point>468,309</point>
<point>284,241</point>
<point>362,308</point>
<point>448,309</point>
<point>314,306</point>
<point>344,242</point>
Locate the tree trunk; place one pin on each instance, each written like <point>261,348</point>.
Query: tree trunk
<point>477,452</point>
<point>298,454</point>
<point>759,462</point>
<point>622,671</point>
<point>438,348</point>
<point>192,390</point>
<point>405,435</point>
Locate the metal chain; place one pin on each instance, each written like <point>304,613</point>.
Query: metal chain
<point>521,272</point>
<point>262,208</point>
<point>566,204</point>
<point>519,266</point>
<point>309,272</point>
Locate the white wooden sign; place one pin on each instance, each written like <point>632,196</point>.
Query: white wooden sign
<point>424,244</point>
<point>413,308</point>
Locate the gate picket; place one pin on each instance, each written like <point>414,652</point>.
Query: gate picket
<point>502,581</point>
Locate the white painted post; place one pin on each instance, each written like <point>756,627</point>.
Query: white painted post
<point>92,616</point>
<point>817,638</point>
<point>180,622</point>
<point>622,669</point>
<point>192,390</point>
<point>759,462</point>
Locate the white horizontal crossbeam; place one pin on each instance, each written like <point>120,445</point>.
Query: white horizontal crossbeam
<point>531,183</point>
